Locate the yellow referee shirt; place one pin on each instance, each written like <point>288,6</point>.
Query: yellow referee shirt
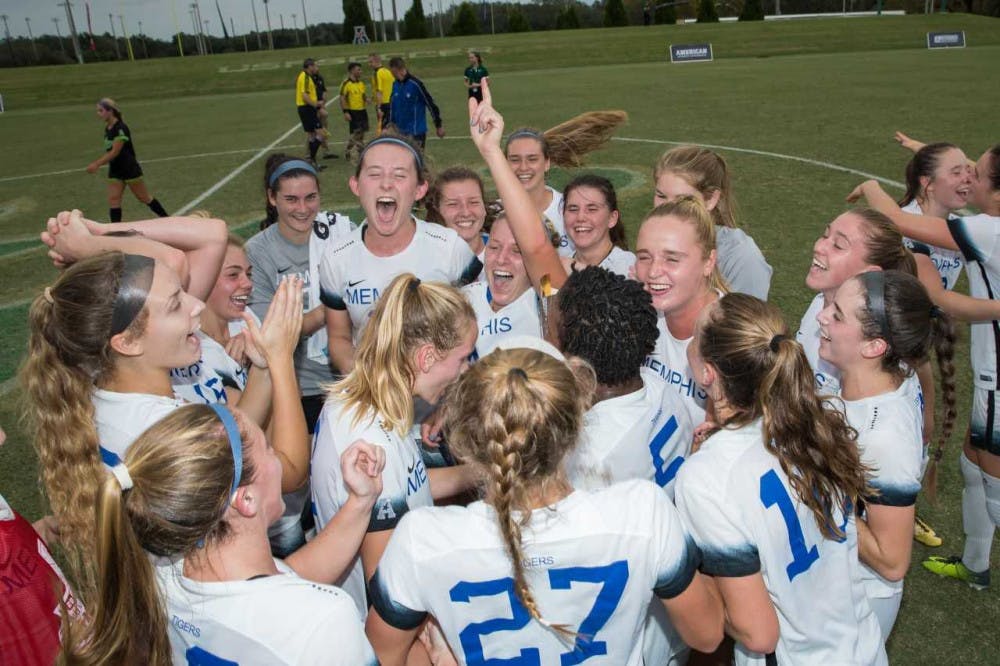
<point>304,85</point>
<point>382,83</point>
<point>352,94</point>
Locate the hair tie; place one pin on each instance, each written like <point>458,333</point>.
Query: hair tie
<point>413,285</point>
<point>235,442</point>
<point>120,472</point>
<point>874,282</point>
<point>775,341</point>
<point>936,312</point>
<point>396,142</point>
<point>290,165</point>
<point>517,372</point>
<point>47,295</point>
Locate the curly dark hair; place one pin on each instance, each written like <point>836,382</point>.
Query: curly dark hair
<point>607,320</point>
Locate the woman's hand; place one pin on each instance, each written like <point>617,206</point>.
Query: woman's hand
<point>861,191</point>
<point>278,335</point>
<point>68,238</point>
<point>908,143</point>
<point>361,465</point>
<point>486,124</point>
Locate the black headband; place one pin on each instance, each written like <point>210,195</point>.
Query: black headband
<point>874,282</point>
<point>132,291</point>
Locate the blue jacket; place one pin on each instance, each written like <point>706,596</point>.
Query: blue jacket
<point>410,102</point>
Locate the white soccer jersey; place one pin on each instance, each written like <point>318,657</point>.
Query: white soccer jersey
<point>947,262</point>
<point>279,619</point>
<point>890,437</point>
<point>121,417</point>
<point>978,237</point>
<point>517,318</point>
<point>593,561</point>
<point>205,381</point>
<point>669,360</point>
<point>645,434</point>
<point>741,262</point>
<point>351,277</point>
<point>745,517</point>
<point>618,261</point>
<point>553,216</point>
<point>827,375</point>
<point>404,478</point>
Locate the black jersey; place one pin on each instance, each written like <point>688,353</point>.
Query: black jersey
<point>320,85</point>
<point>125,166</point>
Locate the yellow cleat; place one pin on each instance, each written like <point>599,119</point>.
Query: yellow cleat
<point>924,533</point>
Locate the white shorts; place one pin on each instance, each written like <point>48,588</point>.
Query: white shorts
<point>985,424</point>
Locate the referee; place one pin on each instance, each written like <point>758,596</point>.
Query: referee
<point>307,103</point>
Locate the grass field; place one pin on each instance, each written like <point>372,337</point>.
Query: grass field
<point>801,110</point>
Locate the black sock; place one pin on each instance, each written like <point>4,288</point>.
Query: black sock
<point>116,214</point>
<point>313,149</point>
<point>157,207</point>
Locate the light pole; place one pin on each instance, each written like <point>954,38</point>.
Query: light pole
<point>10,46</point>
<point>256,29</point>
<point>305,23</point>
<point>71,26</point>
<point>270,35</point>
<point>128,41</point>
<point>395,21</point>
<point>295,28</point>
<point>34,47</point>
<point>62,47</point>
<point>142,36</point>
<point>208,41</point>
<point>114,37</point>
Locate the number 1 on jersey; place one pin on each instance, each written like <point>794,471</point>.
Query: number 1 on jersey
<point>772,491</point>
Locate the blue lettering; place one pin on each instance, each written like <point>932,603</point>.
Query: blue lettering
<point>189,372</point>
<point>362,296</point>
<point>181,625</point>
<point>417,478</point>
<point>496,326</point>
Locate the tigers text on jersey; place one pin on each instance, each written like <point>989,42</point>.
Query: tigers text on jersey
<point>745,517</point>
<point>404,478</point>
<point>278,619</point>
<point>121,417</point>
<point>206,380</point>
<point>947,262</point>
<point>351,277</point>
<point>593,561</point>
<point>669,360</point>
<point>645,434</point>
<point>978,237</point>
<point>552,217</point>
<point>518,318</point>
<point>890,437</point>
<point>827,375</point>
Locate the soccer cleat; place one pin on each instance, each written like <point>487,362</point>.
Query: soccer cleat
<point>924,533</point>
<point>952,567</point>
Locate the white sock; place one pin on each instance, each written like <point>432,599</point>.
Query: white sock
<point>975,519</point>
<point>992,487</point>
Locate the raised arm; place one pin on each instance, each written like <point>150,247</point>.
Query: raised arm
<point>924,228</point>
<point>540,258</point>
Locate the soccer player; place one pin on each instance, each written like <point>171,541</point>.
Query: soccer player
<point>976,237</point>
<point>769,498</point>
<point>382,80</point>
<point>123,166</point>
<point>676,263</point>
<point>353,100</point>
<point>322,114</point>
<point>594,226</point>
<point>880,326</point>
<point>410,103</point>
<point>474,75</point>
<point>390,176</point>
<point>419,341</point>
<point>457,200</point>
<point>702,173</point>
<point>307,103</point>
<point>535,572</point>
<point>198,491</point>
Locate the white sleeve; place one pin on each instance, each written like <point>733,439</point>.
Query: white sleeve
<point>894,474</point>
<point>976,236</point>
<point>328,492</point>
<point>727,548</point>
<point>331,289</point>
<point>394,590</point>
<point>464,266</point>
<point>676,555</point>
<point>337,639</point>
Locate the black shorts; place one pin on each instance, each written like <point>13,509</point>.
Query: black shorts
<point>385,108</point>
<point>309,118</point>
<point>125,171</point>
<point>359,120</point>
<point>476,92</point>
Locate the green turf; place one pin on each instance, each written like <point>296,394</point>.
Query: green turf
<point>830,91</point>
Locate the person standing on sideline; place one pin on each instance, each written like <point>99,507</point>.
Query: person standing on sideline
<point>410,103</point>
<point>382,80</point>
<point>321,113</point>
<point>474,74</point>
<point>308,104</point>
<point>123,166</point>
<point>353,99</point>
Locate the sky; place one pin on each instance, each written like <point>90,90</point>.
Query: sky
<point>158,19</point>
